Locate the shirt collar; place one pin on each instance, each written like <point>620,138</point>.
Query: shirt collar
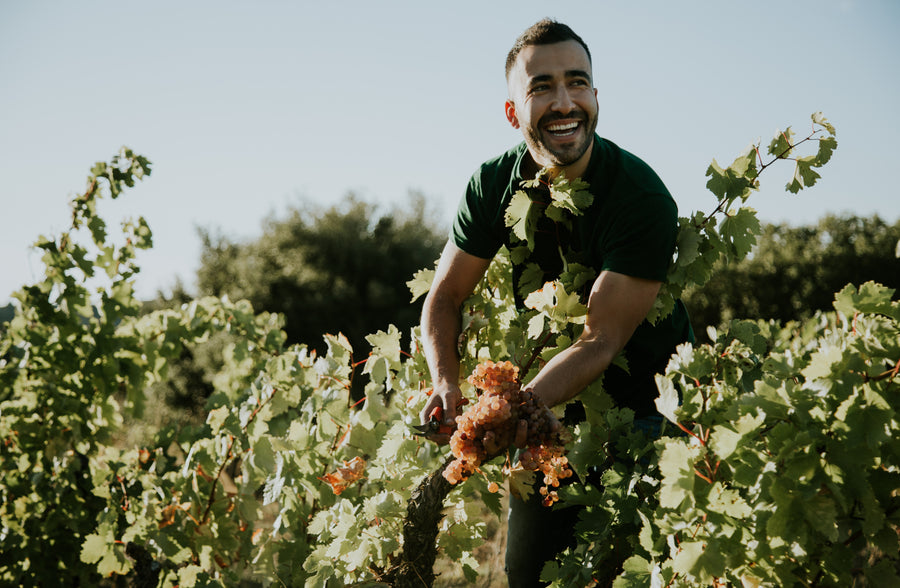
<point>522,151</point>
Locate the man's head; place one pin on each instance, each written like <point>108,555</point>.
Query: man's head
<point>543,32</point>
<point>551,96</point>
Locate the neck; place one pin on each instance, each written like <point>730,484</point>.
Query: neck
<point>574,170</point>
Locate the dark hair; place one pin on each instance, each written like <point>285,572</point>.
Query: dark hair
<point>543,32</point>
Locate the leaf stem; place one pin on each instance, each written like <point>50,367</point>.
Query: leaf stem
<point>763,167</point>
<point>535,353</point>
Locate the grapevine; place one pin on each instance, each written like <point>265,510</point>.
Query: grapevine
<point>788,477</point>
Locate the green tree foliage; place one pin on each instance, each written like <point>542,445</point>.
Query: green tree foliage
<point>793,271</point>
<point>328,270</point>
<point>6,313</point>
<point>341,269</point>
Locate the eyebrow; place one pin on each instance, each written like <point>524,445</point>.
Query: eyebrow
<point>571,73</point>
<point>578,73</point>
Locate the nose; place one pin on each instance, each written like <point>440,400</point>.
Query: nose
<point>562,102</point>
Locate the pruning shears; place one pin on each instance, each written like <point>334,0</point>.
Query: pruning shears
<point>435,424</point>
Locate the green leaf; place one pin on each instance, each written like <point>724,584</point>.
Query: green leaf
<point>114,562</point>
<point>689,239</point>
<point>676,464</point>
<point>531,279</point>
<point>827,145</point>
<point>725,438</point>
<point>587,449</point>
<point>740,229</point>
<point>697,363</point>
<point>689,552</point>
<point>819,119</point>
<point>522,216</point>
<point>189,575</point>
<point>821,514</point>
<point>804,174</point>
<point>420,283</point>
<point>94,548</point>
<point>827,360</point>
<point>536,327</point>
<point>736,181</point>
<point>870,298</point>
<point>571,196</point>
<point>668,401</point>
<point>384,359</point>
<point>636,573</point>
<point>517,255</point>
<point>550,571</point>
<point>728,502</point>
<point>884,573</point>
<point>559,306</point>
<point>782,143</point>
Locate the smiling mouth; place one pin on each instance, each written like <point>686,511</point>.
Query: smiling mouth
<point>563,129</point>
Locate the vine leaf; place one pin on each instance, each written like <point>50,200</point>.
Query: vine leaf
<point>521,482</point>
<point>667,402</point>
<point>522,216</point>
<point>570,196</point>
<point>420,283</point>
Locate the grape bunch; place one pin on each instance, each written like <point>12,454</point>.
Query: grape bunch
<point>550,461</point>
<point>489,427</point>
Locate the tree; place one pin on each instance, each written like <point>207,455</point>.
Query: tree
<point>328,270</point>
<point>6,314</point>
<point>794,271</point>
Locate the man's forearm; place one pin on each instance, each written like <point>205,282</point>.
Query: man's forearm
<point>571,371</point>
<point>616,306</point>
<point>440,333</point>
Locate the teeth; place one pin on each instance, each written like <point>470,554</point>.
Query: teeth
<point>566,127</point>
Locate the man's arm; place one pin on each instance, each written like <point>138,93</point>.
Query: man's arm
<point>616,306</point>
<point>455,279</point>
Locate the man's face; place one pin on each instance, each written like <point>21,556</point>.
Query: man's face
<point>554,103</point>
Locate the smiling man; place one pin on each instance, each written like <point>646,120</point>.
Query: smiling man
<point>627,236</point>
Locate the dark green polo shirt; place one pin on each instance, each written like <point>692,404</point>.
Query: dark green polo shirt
<point>630,228</point>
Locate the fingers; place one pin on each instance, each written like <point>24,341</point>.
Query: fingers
<point>554,424</point>
<point>442,405</point>
<point>450,408</point>
<point>439,438</point>
<point>521,438</point>
<point>434,401</point>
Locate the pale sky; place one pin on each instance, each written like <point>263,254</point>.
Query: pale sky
<point>245,108</point>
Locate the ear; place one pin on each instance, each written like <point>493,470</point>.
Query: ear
<point>510,109</point>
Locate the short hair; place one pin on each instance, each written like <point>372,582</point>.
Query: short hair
<point>543,32</point>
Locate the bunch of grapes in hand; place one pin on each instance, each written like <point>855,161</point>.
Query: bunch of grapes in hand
<point>505,415</point>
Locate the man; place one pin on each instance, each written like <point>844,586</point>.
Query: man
<point>627,236</point>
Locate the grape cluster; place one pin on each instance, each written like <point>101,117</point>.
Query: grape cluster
<point>550,461</point>
<point>489,427</point>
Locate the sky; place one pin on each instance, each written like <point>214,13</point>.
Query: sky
<point>249,108</point>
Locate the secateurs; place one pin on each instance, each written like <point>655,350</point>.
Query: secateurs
<point>435,424</point>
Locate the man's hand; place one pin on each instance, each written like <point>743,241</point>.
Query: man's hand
<point>447,401</point>
<point>520,439</point>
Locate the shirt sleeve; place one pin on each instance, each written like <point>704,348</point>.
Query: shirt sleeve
<point>475,228</point>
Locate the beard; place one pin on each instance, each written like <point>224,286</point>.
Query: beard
<point>536,137</point>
